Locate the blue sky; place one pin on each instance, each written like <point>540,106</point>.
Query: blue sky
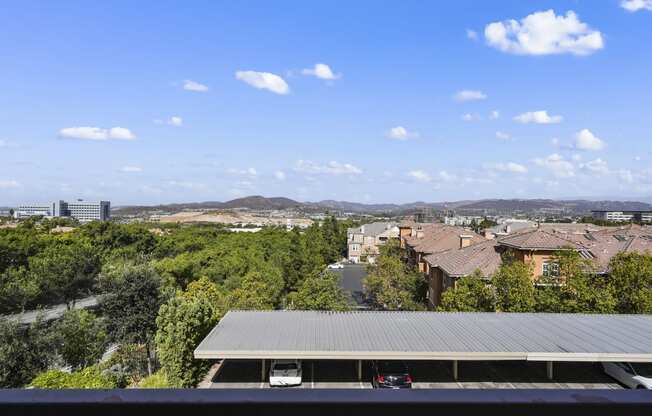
<point>162,101</point>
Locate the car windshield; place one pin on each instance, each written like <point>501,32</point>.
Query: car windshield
<point>285,366</point>
<point>392,367</point>
<point>643,369</point>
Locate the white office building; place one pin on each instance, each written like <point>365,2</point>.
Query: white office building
<point>83,211</point>
<point>623,216</point>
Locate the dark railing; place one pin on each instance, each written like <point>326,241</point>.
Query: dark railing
<point>220,402</point>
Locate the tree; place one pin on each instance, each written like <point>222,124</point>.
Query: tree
<point>182,323</point>
<point>513,287</point>
<point>390,285</point>
<point>65,269</point>
<point>259,290</point>
<point>319,292</point>
<point>87,378</point>
<point>630,276</point>
<point>83,338</point>
<point>17,290</point>
<point>131,304</point>
<point>470,294</point>
<point>24,352</point>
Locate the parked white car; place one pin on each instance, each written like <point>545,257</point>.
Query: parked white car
<point>283,373</point>
<point>336,266</point>
<point>633,375</point>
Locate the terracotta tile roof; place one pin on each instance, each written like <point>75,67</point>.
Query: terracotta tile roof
<point>440,237</point>
<point>538,240</point>
<point>483,256</point>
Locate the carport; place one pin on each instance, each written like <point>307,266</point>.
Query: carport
<point>452,336</point>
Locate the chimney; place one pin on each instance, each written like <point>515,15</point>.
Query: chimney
<point>465,240</point>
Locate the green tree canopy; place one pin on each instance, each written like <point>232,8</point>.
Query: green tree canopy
<point>631,279</point>
<point>513,287</point>
<point>470,294</point>
<point>320,292</point>
<point>83,338</point>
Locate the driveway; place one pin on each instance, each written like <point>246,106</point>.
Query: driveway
<point>351,281</point>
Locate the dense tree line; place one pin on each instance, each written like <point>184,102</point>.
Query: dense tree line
<point>161,289</point>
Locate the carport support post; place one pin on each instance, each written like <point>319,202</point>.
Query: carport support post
<point>455,370</point>
<point>359,370</point>
<point>549,369</point>
<point>262,371</point>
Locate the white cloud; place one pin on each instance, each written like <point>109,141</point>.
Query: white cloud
<point>502,136</point>
<point>321,71</point>
<point>280,175</point>
<point>554,141</point>
<point>494,115</point>
<point>557,165</point>
<point>597,166</point>
<point>175,121</point>
<point>471,34</point>
<point>447,177</point>
<point>544,33</point>
<point>190,85</point>
<point>470,117</point>
<point>252,172</point>
<point>401,133</point>
<point>585,140</point>
<point>264,81</point>
<point>636,5</point>
<point>626,175</point>
<point>5,184</point>
<point>96,133</point>
<point>187,185</point>
<point>510,167</point>
<point>469,95</point>
<point>331,168</point>
<point>420,176</point>
<point>129,169</point>
<point>538,117</point>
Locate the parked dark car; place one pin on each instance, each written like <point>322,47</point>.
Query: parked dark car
<point>390,375</point>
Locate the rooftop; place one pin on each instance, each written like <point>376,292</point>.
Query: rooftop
<point>429,336</point>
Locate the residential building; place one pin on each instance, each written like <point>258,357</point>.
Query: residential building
<point>83,211</point>
<point>420,240</point>
<point>623,216</point>
<point>364,242</point>
<point>535,247</point>
<point>463,221</point>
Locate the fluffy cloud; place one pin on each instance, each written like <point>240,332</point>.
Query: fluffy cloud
<point>401,133</point>
<point>96,133</point>
<point>502,136</point>
<point>469,95</point>
<point>544,33</point>
<point>538,117</point>
<point>130,169</point>
<point>5,184</point>
<point>585,140</point>
<point>175,121</point>
<point>471,34</point>
<point>264,81</point>
<point>636,5</point>
<point>597,166</point>
<point>494,115</point>
<point>470,117</point>
<point>420,176</point>
<point>190,85</point>
<point>510,167</point>
<point>331,168</point>
<point>280,175</point>
<point>321,71</point>
<point>252,172</point>
<point>557,165</point>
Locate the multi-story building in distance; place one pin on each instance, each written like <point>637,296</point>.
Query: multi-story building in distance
<point>623,216</point>
<point>83,211</point>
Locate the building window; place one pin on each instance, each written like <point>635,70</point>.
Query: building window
<point>355,247</point>
<point>550,269</point>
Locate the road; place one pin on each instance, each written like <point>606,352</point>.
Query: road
<point>351,281</point>
<point>52,312</point>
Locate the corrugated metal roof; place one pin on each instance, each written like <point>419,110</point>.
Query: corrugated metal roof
<point>429,335</point>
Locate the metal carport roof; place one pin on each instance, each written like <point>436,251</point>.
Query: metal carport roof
<point>429,336</point>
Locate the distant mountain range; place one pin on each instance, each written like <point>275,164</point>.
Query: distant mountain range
<point>485,206</point>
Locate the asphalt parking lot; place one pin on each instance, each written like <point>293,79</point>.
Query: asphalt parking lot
<point>428,374</point>
<point>351,281</point>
